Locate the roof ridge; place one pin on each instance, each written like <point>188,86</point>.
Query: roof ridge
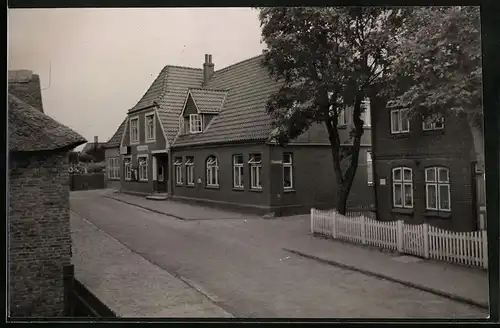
<point>185,67</point>
<point>238,63</point>
<point>210,89</point>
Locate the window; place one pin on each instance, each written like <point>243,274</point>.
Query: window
<point>433,122</point>
<point>287,171</point>
<point>400,121</point>
<point>127,169</point>
<point>345,116</point>
<point>212,171</point>
<point>143,167</point>
<point>255,171</point>
<point>178,171</point>
<point>134,130</point>
<point>437,189</point>
<point>114,168</point>
<point>369,168</point>
<point>190,170</point>
<point>195,123</point>
<point>402,187</point>
<point>150,127</point>
<point>238,171</point>
<point>366,114</point>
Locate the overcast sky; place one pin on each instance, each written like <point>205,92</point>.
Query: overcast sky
<point>103,60</point>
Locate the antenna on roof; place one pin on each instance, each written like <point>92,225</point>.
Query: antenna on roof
<point>50,75</point>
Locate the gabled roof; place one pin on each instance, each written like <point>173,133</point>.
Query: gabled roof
<point>26,86</point>
<point>115,140</point>
<point>243,116</point>
<point>32,130</point>
<point>208,101</point>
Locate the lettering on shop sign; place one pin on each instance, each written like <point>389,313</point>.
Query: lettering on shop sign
<point>142,148</point>
<point>276,162</point>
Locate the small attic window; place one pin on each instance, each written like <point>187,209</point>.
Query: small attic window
<point>195,123</point>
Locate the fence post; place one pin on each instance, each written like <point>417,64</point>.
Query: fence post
<point>312,220</point>
<point>426,240</point>
<point>363,227</point>
<point>399,235</point>
<point>484,241</point>
<point>334,225</point>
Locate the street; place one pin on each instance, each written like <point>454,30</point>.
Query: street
<point>240,265</point>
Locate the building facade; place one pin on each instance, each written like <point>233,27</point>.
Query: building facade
<point>203,135</point>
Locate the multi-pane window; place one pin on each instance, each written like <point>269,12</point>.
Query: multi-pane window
<point>114,168</point>
<point>127,168</point>
<point>287,171</point>
<point>134,130</point>
<point>143,168</point>
<point>437,189</point>
<point>255,163</point>
<point>433,122</point>
<point>150,127</point>
<point>345,116</point>
<point>195,123</point>
<point>366,114</point>
<point>212,176</point>
<point>369,168</point>
<point>402,187</point>
<point>238,171</point>
<point>400,120</point>
<point>178,171</point>
<point>189,170</point>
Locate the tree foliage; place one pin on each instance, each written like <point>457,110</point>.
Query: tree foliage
<point>328,59</point>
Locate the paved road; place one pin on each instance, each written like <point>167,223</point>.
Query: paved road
<point>241,266</point>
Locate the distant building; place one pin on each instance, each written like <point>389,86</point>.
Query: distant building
<point>39,235</point>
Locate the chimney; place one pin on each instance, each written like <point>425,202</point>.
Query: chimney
<point>208,69</point>
<point>96,141</point>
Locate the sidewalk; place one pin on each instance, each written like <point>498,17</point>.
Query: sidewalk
<point>463,284</point>
<point>127,283</point>
<point>177,209</point>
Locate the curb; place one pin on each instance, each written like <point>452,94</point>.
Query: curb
<point>392,279</point>
<point>147,208</point>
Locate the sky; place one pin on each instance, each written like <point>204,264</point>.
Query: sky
<point>95,64</point>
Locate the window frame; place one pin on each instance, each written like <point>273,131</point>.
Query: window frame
<point>133,141</point>
<point>146,130</point>
<point>238,167</point>
<point>403,183</point>
<point>192,119</point>
<point>212,170</point>
<point>189,170</point>
<point>369,168</point>
<point>139,166</point>
<point>437,183</point>
<point>288,165</point>
<point>366,115</point>
<point>179,177</point>
<point>127,169</point>
<point>400,121</point>
<point>113,168</point>
<point>255,165</point>
<point>433,124</point>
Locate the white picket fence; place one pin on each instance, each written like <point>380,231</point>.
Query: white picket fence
<point>467,248</point>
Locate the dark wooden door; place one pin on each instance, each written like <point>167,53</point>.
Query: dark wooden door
<point>162,178</point>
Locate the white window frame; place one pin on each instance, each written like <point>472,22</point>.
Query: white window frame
<point>404,183</point>
<point>431,126</point>
<point>212,171</point>
<point>189,170</point>
<point>366,115</point>
<point>127,168</point>
<point>369,168</point>
<point>437,183</point>
<point>400,113</point>
<point>255,171</point>
<point>238,171</point>
<point>114,168</point>
<point>146,127</point>
<point>198,119</point>
<point>142,169</point>
<point>288,164</point>
<point>344,117</point>
<point>134,141</point>
<point>179,179</point>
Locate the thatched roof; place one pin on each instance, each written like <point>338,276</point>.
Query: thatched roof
<point>32,130</point>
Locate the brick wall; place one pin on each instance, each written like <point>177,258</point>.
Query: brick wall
<point>39,233</point>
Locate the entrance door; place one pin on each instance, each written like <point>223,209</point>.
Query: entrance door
<point>162,185</point>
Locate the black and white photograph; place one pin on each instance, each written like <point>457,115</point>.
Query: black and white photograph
<point>246,163</point>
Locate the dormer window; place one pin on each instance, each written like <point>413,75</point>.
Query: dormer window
<point>195,123</point>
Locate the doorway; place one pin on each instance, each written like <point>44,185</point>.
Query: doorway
<point>161,173</point>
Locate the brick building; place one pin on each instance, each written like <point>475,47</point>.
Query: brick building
<point>204,135</point>
<point>424,170</point>
<point>39,227</point>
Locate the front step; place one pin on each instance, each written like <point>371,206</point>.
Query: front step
<point>157,196</point>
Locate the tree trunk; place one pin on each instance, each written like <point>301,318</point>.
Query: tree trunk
<point>342,195</point>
